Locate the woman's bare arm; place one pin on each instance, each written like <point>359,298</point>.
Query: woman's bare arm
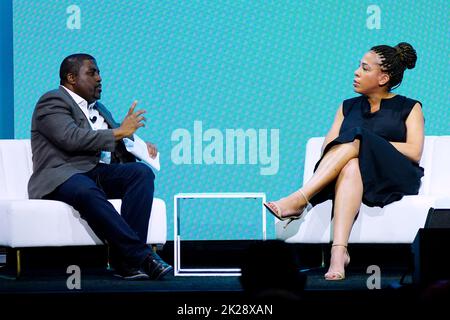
<point>415,136</point>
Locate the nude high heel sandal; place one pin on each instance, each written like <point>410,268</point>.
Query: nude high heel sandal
<point>291,216</point>
<point>337,275</point>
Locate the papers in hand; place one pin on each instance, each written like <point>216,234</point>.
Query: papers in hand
<point>138,148</point>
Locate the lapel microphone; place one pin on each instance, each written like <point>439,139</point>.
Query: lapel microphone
<point>94,118</point>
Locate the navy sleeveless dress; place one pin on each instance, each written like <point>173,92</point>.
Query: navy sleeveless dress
<point>387,174</point>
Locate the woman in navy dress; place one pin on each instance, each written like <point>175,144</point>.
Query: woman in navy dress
<point>371,153</point>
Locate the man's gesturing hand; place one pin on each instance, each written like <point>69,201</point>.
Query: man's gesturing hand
<point>132,122</point>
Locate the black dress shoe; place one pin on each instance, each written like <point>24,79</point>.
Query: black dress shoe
<point>132,274</point>
<point>126,272</point>
<point>155,267</point>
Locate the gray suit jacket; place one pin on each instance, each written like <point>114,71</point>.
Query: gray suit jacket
<point>63,143</point>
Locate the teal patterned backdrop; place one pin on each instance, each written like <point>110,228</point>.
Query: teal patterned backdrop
<point>232,89</point>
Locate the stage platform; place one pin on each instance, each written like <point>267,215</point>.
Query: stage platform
<point>43,285</point>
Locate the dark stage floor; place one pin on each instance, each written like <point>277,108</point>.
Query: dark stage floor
<point>43,287</point>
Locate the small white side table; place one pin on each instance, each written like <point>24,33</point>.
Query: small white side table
<point>179,271</point>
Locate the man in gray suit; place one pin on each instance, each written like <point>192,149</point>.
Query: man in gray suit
<point>79,158</point>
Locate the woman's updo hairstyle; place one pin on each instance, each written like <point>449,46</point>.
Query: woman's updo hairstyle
<point>395,60</point>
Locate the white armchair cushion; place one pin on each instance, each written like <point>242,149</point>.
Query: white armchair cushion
<point>40,223</point>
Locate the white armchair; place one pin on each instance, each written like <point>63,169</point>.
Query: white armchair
<point>397,222</point>
<point>48,223</point>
